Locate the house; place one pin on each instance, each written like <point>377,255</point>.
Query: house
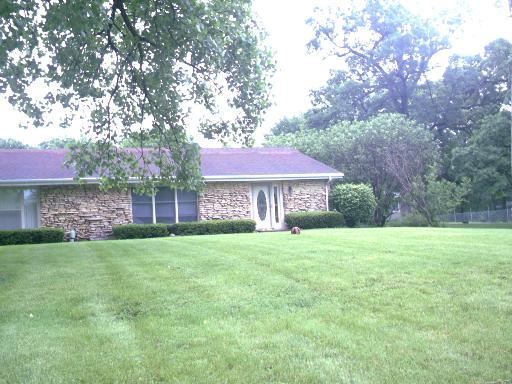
<point>263,184</point>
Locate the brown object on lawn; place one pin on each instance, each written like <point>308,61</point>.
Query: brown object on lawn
<point>295,231</point>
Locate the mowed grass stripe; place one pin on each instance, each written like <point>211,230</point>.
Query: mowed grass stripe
<point>364,305</point>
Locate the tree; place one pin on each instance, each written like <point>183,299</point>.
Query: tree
<point>289,125</point>
<point>12,144</point>
<point>362,151</point>
<point>57,142</point>
<point>472,87</point>
<point>137,68</point>
<point>387,51</point>
<point>431,197</point>
<point>486,161</point>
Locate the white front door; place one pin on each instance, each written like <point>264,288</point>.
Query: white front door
<point>267,206</point>
<point>261,206</point>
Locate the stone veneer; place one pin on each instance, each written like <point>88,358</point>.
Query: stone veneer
<point>225,200</point>
<point>304,195</point>
<point>87,209</point>
<point>93,212</point>
<point>232,200</point>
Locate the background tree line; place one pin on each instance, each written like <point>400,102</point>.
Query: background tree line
<point>382,120</point>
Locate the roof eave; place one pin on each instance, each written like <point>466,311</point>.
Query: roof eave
<point>95,180</point>
<point>298,176</point>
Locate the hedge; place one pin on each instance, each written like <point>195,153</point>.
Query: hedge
<point>314,219</point>
<point>212,227</point>
<point>139,231</point>
<point>31,236</point>
<point>355,201</point>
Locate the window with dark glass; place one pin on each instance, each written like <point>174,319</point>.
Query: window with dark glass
<point>187,206</point>
<point>261,203</point>
<point>165,208</point>
<point>165,205</point>
<point>276,204</point>
<point>142,209</point>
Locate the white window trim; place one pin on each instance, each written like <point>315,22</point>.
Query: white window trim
<point>176,210</point>
<point>153,206</point>
<point>22,208</point>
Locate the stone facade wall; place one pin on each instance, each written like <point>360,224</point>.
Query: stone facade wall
<point>307,195</point>
<point>87,209</point>
<point>225,200</point>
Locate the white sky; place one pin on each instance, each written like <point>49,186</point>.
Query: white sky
<point>297,71</point>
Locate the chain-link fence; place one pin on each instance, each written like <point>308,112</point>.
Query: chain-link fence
<point>489,216</point>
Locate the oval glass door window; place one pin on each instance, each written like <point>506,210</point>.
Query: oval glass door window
<point>262,205</point>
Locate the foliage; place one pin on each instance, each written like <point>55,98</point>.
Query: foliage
<point>139,231</point>
<point>471,89</point>
<point>212,227</point>
<point>485,159</point>
<point>289,125</point>
<point>431,197</point>
<point>386,50</point>
<point>58,142</point>
<point>138,69</point>
<point>31,236</point>
<point>411,220</point>
<point>12,144</point>
<point>355,201</point>
<point>368,151</point>
<point>314,219</point>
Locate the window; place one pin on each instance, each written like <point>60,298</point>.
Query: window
<point>187,206</point>
<point>261,203</point>
<point>18,208</point>
<point>165,206</point>
<point>142,208</point>
<point>276,204</point>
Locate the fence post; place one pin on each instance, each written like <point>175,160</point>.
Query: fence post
<point>488,214</point>
<point>470,215</point>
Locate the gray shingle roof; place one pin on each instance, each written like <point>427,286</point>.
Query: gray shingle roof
<point>34,164</point>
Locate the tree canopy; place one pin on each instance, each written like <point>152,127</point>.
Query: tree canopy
<point>386,54</point>
<point>12,144</point>
<point>137,70</point>
<point>485,160</point>
<point>386,50</point>
<point>368,152</point>
<point>58,142</point>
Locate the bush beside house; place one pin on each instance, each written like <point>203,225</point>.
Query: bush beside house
<point>212,227</point>
<point>315,219</point>
<point>139,231</point>
<point>355,201</point>
<point>207,227</point>
<point>31,236</point>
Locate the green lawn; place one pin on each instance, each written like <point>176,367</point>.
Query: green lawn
<point>478,225</point>
<point>391,305</point>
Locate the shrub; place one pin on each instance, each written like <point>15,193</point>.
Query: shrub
<point>212,227</point>
<point>140,231</point>
<point>355,201</point>
<point>315,219</point>
<point>411,220</point>
<point>31,236</point>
